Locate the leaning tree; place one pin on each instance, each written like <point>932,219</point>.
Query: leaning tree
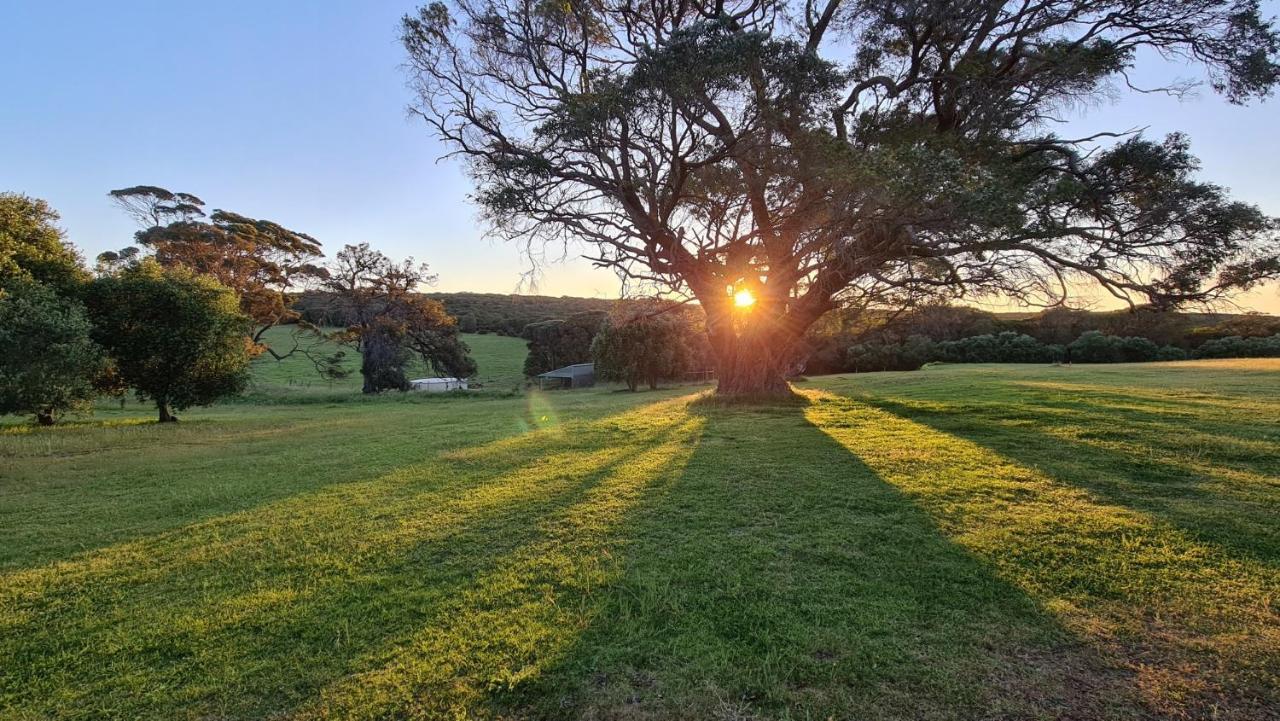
<point>389,321</point>
<point>264,262</point>
<point>820,152</point>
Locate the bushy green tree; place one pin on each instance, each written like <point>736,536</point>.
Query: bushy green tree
<point>557,343</point>
<point>32,246</point>
<point>1006,347</point>
<point>645,345</point>
<point>909,355</point>
<point>176,337</point>
<point>1098,347</point>
<point>48,362</point>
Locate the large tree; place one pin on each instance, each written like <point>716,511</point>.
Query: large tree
<point>819,152</point>
<point>177,337</point>
<point>33,247</point>
<point>261,260</point>
<point>390,321</point>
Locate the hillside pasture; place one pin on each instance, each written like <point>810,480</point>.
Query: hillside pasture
<point>956,543</point>
<point>500,360</point>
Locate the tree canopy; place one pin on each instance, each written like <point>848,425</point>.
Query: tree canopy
<point>827,152</point>
<point>48,362</point>
<point>33,247</point>
<point>390,321</point>
<point>259,259</point>
<point>177,337</point>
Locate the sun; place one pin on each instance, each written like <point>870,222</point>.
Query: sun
<point>744,299</point>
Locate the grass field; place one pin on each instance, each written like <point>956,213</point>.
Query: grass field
<point>500,360</point>
<point>957,543</point>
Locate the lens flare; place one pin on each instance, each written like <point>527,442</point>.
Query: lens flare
<point>744,299</point>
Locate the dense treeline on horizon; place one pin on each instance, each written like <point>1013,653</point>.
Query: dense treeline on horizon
<point>499,313</point>
<point>958,334</point>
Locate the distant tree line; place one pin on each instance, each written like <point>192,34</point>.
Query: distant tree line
<point>905,341</point>
<point>497,313</point>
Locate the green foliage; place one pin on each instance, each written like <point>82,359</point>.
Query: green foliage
<point>176,337</point>
<point>1006,347</point>
<point>557,343</point>
<point>1097,347</point>
<point>48,361</point>
<point>909,355</point>
<point>646,348</point>
<point>1241,347</point>
<point>33,247</point>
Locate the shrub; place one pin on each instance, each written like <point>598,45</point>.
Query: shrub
<point>1096,347</point>
<point>48,362</point>
<point>1006,347</point>
<point>909,355</point>
<point>1241,347</point>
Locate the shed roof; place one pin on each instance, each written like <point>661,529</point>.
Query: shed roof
<point>576,370</point>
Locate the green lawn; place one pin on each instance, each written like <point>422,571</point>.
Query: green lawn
<point>957,543</point>
<point>500,360</point>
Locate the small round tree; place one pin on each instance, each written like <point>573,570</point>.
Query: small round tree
<point>48,361</point>
<point>644,346</point>
<point>177,338</point>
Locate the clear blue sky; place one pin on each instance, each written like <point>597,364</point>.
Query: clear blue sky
<point>295,111</point>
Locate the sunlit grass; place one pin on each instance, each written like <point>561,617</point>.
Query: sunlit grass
<point>1150,595</point>
<point>956,543</point>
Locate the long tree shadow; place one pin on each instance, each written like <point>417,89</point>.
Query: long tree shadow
<point>65,491</point>
<point>252,614</point>
<point>1195,623</point>
<point>781,576</point>
<point>1220,487</point>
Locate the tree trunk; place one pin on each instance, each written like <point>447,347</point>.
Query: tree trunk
<point>756,348</point>
<point>754,363</point>
<point>166,415</point>
<point>45,417</point>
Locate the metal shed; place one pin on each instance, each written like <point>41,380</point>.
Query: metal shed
<point>578,375</point>
<point>438,385</point>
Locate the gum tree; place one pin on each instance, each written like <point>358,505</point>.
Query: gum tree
<point>823,152</point>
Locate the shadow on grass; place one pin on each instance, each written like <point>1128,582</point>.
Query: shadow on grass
<point>254,613</point>
<point>1194,621</point>
<point>798,560</point>
<point>780,576</point>
<point>1213,479</point>
<point>75,490</point>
